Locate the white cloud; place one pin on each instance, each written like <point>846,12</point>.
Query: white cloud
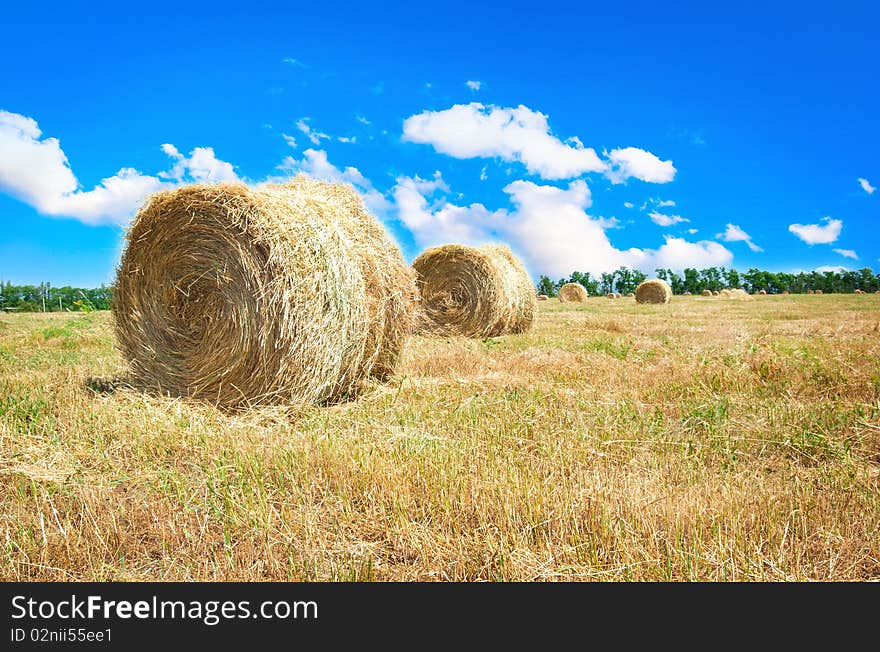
<point>866,186</point>
<point>692,231</point>
<point>315,164</point>
<point>634,162</point>
<point>483,175</point>
<point>201,166</point>
<point>662,203</point>
<point>312,134</point>
<point>734,233</point>
<point>547,225</point>
<point>666,220</point>
<point>290,140</point>
<point>511,134</point>
<point>816,233</point>
<point>296,63</point>
<point>846,253</point>
<point>347,139</point>
<point>473,85</point>
<point>362,120</point>
<point>831,268</point>
<point>628,204</point>
<point>36,171</point>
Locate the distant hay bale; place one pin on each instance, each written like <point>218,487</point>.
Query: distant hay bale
<point>818,292</point>
<point>857,291</point>
<point>630,295</point>
<point>618,295</point>
<point>287,293</point>
<point>653,291</point>
<point>611,295</point>
<point>810,292</point>
<point>716,293</point>
<point>785,292</point>
<point>686,293</point>
<point>724,293</point>
<point>573,293</point>
<point>542,297</point>
<point>762,292</point>
<point>706,293</point>
<point>473,291</point>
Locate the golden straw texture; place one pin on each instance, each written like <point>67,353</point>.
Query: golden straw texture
<point>288,293</point>
<point>473,291</point>
<point>653,291</point>
<point>573,293</point>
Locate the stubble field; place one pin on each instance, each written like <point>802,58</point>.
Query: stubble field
<point>703,440</point>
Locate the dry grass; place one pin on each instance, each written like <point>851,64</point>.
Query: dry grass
<point>614,441</point>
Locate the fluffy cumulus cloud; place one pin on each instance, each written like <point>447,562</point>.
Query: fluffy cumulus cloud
<point>510,134</point>
<point>825,233</point>
<point>666,220</point>
<point>315,163</point>
<point>35,170</point>
<point>846,253</point>
<point>547,225</point>
<point>630,162</point>
<point>866,186</point>
<point>734,233</point>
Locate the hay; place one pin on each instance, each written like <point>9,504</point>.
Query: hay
<point>810,292</point>
<point>818,292</point>
<point>542,297</point>
<point>653,291</point>
<point>618,295</point>
<point>573,293</point>
<point>762,291</point>
<point>686,293</point>
<point>716,293</point>
<point>610,295</point>
<point>706,293</point>
<point>474,291</point>
<point>630,295</point>
<point>288,294</point>
<point>859,292</point>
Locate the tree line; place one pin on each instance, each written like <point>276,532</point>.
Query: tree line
<point>44,297</point>
<point>625,280</point>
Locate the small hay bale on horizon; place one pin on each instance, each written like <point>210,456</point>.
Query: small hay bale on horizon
<point>473,291</point>
<point>762,292</point>
<point>282,294</point>
<point>653,291</point>
<point>542,297</point>
<point>716,293</point>
<point>706,293</point>
<point>573,293</point>
<point>818,292</point>
<point>630,295</point>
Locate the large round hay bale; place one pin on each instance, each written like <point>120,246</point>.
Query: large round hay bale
<point>706,293</point>
<point>474,291</point>
<point>653,291</point>
<point>285,293</point>
<point>542,297</point>
<point>573,293</point>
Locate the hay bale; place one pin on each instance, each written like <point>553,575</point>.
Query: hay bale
<point>810,292</point>
<point>610,295</point>
<point>716,293</point>
<point>653,291</point>
<point>785,292</point>
<point>706,293</point>
<point>630,295</point>
<point>818,292</point>
<point>542,297</point>
<point>618,295</point>
<point>686,293</point>
<point>573,293</point>
<point>473,291</point>
<point>857,291</point>
<point>287,293</point>
<point>762,291</point>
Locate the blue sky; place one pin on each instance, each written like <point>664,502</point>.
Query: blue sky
<point>564,130</point>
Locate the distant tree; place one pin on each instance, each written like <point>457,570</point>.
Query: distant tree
<point>546,286</point>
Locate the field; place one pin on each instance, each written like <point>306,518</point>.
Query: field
<point>703,440</point>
